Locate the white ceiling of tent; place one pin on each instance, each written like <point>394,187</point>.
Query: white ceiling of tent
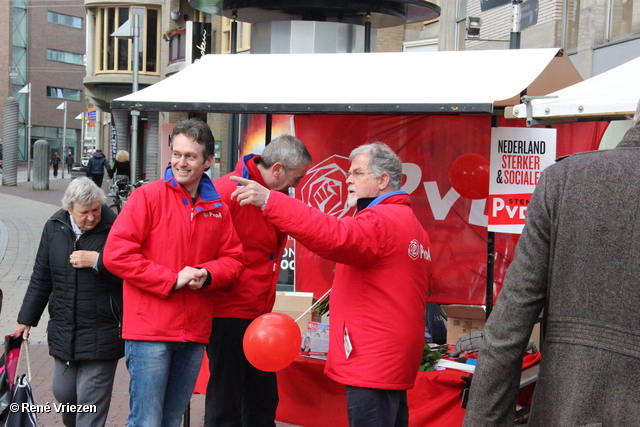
<point>421,82</point>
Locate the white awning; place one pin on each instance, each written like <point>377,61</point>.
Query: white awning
<point>398,83</point>
<point>611,95</point>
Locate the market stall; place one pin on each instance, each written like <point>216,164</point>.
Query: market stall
<point>339,101</point>
<point>430,119</point>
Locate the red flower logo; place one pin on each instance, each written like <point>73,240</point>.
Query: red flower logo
<point>326,188</point>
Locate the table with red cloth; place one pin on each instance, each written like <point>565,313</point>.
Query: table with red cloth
<point>311,399</point>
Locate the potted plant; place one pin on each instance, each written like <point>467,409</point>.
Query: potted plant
<point>168,35</point>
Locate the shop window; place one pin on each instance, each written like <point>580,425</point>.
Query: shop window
<point>620,18</point>
<point>67,57</point>
<point>177,48</point>
<point>571,24</point>
<point>62,19</point>
<point>114,55</point>
<point>64,93</point>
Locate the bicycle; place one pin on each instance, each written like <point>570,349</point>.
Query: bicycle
<point>120,190</point>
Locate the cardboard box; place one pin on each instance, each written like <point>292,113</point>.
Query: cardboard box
<point>463,319</point>
<point>294,304</point>
<point>315,341</point>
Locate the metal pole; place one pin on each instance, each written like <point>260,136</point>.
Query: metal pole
<point>268,129</point>
<point>367,34</point>
<point>234,35</point>
<point>29,137</point>
<point>234,119</point>
<point>514,40</point>
<point>491,256</point>
<point>64,134</point>
<point>134,113</point>
<point>80,147</point>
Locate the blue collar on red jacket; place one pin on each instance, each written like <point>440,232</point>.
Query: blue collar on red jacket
<point>206,190</point>
<point>245,169</point>
<point>379,199</point>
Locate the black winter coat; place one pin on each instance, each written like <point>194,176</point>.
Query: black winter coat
<point>96,164</point>
<point>85,306</point>
<point>121,168</point>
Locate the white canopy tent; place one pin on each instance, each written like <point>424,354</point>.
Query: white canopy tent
<point>612,95</point>
<point>388,83</point>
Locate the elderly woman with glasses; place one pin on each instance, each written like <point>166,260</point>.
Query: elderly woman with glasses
<point>85,303</point>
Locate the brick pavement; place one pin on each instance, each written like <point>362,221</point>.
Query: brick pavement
<point>23,213</point>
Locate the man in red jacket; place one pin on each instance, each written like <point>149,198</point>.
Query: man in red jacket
<point>238,394</point>
<point>379,292</point>
<point>173,244</point>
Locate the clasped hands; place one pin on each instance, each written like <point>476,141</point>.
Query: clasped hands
<point>192,277</point>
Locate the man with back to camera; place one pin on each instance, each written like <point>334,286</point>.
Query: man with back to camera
<point>69,162</point>
<point>578,259</point>
<point>384,264</point>
<point>95,168</point>
<point>239,394</point>
<point>173,245</point>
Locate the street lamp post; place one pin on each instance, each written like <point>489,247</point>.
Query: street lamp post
<point>127,31</point>
<point>27,90</point>
<point>134,88</point>
<point>80,147</point>
<point>63,106</point>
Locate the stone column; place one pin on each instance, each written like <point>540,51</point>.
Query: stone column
<point>41,165</point>
<point>10,143</point>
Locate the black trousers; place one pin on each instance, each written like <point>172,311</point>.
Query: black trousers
<point>97,178</point>
<point>372,407</point>
<point>238,394</point>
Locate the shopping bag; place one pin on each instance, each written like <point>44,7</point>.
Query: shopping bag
<point>5,389</point>
<point>8,366</point>
<point>21,394</point>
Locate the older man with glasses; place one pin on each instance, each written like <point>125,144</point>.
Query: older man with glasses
<point>380,287</point>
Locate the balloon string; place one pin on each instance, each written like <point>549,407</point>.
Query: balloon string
<point>314,305</point>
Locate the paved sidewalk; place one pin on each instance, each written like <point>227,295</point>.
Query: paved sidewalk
<point>23,213</point>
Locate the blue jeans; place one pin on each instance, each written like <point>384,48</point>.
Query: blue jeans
<point>372,407</point>
<point>163,375</point>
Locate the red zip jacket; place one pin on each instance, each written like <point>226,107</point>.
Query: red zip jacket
<point>254,292</point>
<point>379,292</point>
<point>157,234</point>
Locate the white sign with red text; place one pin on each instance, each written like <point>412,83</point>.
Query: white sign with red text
<point>518,157</point>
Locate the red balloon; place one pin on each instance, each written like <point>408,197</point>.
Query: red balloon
<point>272,342</point>
<point>469,176</point>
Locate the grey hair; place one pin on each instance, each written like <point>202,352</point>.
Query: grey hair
<point>636,118</point>
<point>287,150</point>
<point>82,191</point>
<point>382,160</point>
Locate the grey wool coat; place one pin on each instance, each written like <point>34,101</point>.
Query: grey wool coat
<point>579,255</point>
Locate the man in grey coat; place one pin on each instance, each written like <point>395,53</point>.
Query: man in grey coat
<point>579,259</point>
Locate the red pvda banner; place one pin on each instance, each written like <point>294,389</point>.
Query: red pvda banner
<point>427,146</point>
